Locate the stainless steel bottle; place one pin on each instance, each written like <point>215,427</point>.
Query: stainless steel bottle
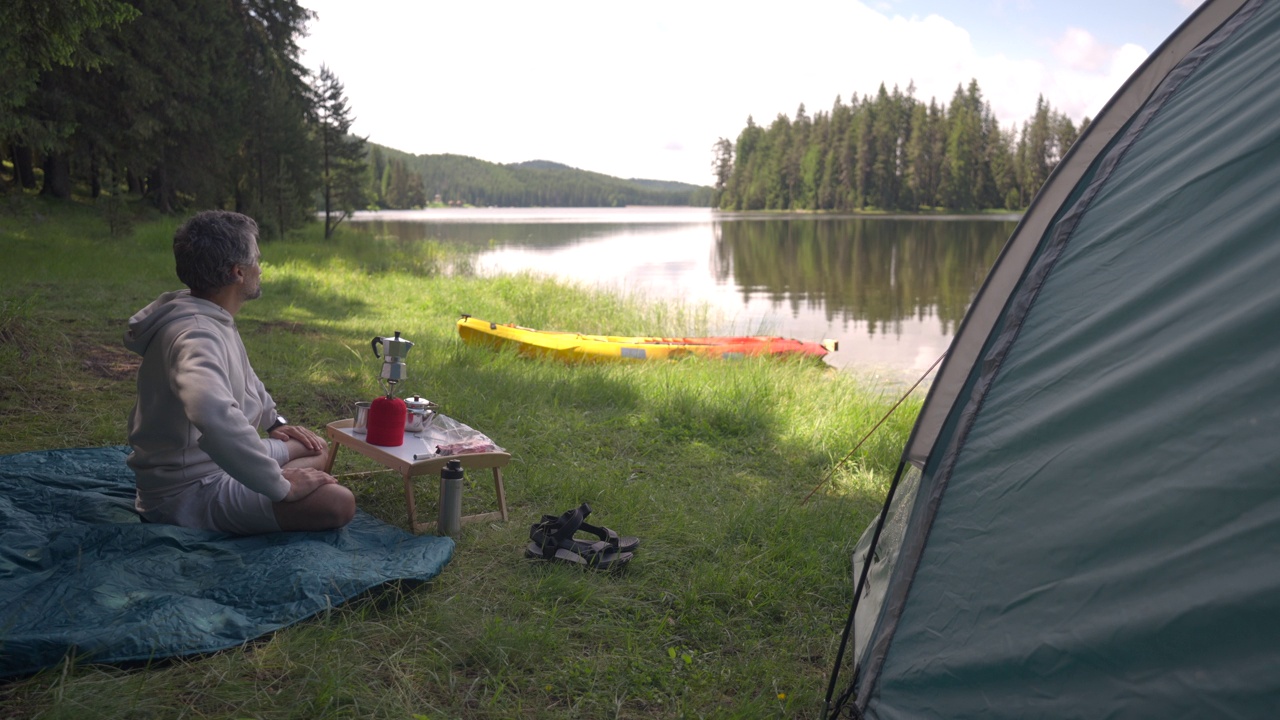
<point>450,499</point>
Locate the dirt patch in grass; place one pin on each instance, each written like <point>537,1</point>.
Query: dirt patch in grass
<point>14,333</point>
<point>16,337</point>
<point>111,363</point>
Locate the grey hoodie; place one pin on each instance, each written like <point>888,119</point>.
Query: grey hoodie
<point>200,405</point>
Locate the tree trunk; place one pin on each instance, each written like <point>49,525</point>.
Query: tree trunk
<point>57,176</point>
<point>158,189</point>
<point>95,182</point>
<point>24,166</point>
<point>329,225</point>
<point>279,198</point>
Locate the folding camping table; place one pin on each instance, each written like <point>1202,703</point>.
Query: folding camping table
<point>416,457</point>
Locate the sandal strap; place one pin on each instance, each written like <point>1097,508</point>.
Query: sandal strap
<point>557,523</point>
<point>604,557</point>
<point>563,538</point>
<point>580,513</point>
<point>557,532</point>
<point>596,548</point>
<point>569,523</point>
<point>591,553</point>
<point>604,533</point>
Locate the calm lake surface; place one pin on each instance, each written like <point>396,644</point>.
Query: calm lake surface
<point>891,289</point>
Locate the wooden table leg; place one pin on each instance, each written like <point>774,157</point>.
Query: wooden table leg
<point>333,453</point>
<point>501,491</point>
<point>408,500</point>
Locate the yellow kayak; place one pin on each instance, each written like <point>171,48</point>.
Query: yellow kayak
<point>573,346</point>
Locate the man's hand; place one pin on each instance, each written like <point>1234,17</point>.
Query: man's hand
<point>304,481</point>
<point>311,443</point>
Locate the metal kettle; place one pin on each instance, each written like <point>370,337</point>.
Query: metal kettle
<point>420,413</point>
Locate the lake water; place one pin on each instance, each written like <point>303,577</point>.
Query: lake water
<point>891,290</point>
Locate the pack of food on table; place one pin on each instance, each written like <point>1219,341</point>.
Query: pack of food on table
<point>477,445</point>
<point>450,437</point>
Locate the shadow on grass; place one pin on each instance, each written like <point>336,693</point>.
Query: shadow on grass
<point>307,298</point>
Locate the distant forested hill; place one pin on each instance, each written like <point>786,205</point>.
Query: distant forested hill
<point>401,180</point>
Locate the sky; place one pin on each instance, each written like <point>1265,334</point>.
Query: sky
<point>645,89</point>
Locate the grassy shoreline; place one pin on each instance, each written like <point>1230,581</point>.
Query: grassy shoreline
<point>732,608</point>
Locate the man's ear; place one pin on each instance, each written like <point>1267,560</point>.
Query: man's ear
<point>237,274</point>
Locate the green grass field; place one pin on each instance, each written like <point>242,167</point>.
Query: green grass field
<point>732,608</point>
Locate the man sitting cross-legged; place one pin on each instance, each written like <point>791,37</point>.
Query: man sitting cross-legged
<point>197,454</point>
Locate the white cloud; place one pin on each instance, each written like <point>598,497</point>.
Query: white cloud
<point>1080,93</point>
<point>645,91</point>
<point>1079,50</point>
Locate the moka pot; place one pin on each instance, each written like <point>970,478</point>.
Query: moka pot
<point>388,414</point>
<point>394,350</point>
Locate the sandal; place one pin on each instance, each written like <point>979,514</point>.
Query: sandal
<point>553,540</point>
<point>553,524</point>
<point>604,560</point>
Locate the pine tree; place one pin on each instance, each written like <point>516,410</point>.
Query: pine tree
<point>1038,150</point>
<point>280,152</point>
<point>963,135</point>
<point>793,163</point>
<point>812,168</point>
<point>864,145</point>
<point>846,136</point>
<point>918,157</point>
<point>41,38</point>
<point>415,195</point>
<point>377,164</point>
<point>398,195</point>
<point>743,186</point>
<point>1064,136</point>
<point>1003,168</point>
<point>343,171</point>
<point>777,174</point>
<point>829,185</point>
<point>721,169</point>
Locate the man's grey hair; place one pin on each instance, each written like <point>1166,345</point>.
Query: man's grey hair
<point>209,245</point>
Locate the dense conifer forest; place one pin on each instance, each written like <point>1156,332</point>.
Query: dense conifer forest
<point>208,105</point>
<point>892,152</point>
<point>189,105</point>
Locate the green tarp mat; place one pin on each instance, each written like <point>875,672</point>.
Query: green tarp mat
<point>80,572</point>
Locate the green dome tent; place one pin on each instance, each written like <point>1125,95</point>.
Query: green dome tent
<point>1086,523</point>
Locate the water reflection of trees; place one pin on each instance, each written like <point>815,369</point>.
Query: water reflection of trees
<point>485,235</point>
<point>874,271</point>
